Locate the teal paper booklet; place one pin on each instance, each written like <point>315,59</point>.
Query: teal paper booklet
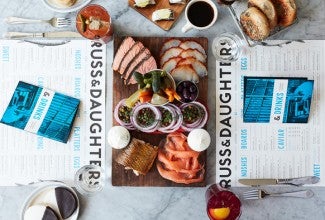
<point>277,100</point>
<point>41,111</point>
<point>66,134</point>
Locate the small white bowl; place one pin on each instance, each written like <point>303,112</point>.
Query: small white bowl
<point>50,4</point>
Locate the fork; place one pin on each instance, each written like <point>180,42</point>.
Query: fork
<point>260,193</point>
<point>55,22</point>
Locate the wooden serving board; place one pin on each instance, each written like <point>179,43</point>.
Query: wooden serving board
<point>160,4</point>
<point>120,176</point>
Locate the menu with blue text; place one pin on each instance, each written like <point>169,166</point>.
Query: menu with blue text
<point>246,149</point>
<point>76,69</point>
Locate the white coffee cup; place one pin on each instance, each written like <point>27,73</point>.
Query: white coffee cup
<point>197,18</point>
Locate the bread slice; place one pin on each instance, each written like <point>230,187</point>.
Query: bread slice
<point>267,7</point>
<point>286,10</point>
<point>255,24</point>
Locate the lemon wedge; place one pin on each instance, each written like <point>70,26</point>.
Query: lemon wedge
<point>220,213</point>
<point>158,99</point>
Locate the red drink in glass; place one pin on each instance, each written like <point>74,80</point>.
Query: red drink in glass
<point>222,204</point>
<point>93,22</point>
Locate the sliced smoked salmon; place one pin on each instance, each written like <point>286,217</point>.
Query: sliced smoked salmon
<point>178,162</point>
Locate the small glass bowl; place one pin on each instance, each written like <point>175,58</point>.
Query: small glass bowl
<point>188,91</point>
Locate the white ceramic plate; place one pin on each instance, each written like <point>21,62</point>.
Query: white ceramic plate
<point>37,197</point>
<point>54,7</point>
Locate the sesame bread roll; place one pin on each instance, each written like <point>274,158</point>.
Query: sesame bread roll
<point>267,7</point>
<point>286,10</point>
<point>255,24</point>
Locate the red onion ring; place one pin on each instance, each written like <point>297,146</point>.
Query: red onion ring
<point>174,118</point>
<point>135,113</point>
<point>122,123</point>
<point>200,122</point>
<point>179,121</point>
<point>195,123</point>
<point>205,118</point>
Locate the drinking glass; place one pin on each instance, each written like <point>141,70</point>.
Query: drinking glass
<point>222,203</point>
<point>94,23</point>
<point>89,179</point>
<point>227,47</point>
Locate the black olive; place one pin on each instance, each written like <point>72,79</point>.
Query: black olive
<point>193,96</point>
<point>186,84</point>
<point>186,94</point>
<point>180,88</point>
<point>192,88</point>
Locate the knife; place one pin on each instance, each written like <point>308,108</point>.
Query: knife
<point>292,181</point>
<point>59,34</point>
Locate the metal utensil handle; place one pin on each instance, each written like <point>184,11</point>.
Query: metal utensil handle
<point>17,20</point>
<point>298,194</point>
<point>17,35</point>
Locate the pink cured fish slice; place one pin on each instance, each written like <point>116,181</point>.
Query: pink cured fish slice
<point>179,177</point>
<point>146,66</point>
<point>133,53</point>
<point>145,55</point>
<point>122,50</point>
<point>190,44</point>
<point>169,44</point>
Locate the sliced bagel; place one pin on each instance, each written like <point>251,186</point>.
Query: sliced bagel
<point>286,10</point>
<point>267,7</point>
<point>255,24</point>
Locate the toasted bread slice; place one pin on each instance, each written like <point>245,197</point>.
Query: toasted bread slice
<point>286,10</point>
<point>255,24</point>
<point>267,7</point>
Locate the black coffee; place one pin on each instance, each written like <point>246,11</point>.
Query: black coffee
<point>200,14</point>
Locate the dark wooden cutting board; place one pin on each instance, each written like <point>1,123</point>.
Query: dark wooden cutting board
<point>160,4</point>
<point>120,176</point>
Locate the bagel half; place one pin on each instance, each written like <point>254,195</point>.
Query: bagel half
<point>286,10</point>
<point>255,24</point>
<point>267,7</point>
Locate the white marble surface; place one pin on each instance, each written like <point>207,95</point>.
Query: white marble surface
<point>144,203</point>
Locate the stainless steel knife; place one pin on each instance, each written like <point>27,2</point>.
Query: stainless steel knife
<point>56,34</point>
<point>292,181</point>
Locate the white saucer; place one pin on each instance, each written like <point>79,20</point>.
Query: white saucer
<point>37,198</point>
<point>50,4</point>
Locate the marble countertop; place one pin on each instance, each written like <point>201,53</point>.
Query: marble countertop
<point>167,203</point>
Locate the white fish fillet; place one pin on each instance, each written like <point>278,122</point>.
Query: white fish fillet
<point>169,44</point>
<point>171,52</point>
<point>190,44</point>
<point>171,64</point>
<point>185,72</point>
<point>193,53</point>
<point>198,66</point>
